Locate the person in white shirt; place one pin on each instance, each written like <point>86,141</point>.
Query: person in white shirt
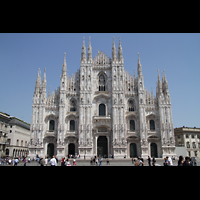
<point>53,162</point>
<point>45,161</point>
<point>170,161</point>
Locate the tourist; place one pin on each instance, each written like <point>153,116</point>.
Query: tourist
<point>100,161</point>
<point>53,162</point>
<point>153,161</point>
<point>16,161</point>
<point>68,163</point>
<point>187,161</point>
<point>139,162</point>
<point>96,161</point>
<point>46,161</point>
<point>149,161</point>
<point>74,162</point>
<point>180,161</point>
<point>25,161</point>
<point>166,162</point>
<point>63,161</point>
<point>42,162</point>
<point>170,161</point>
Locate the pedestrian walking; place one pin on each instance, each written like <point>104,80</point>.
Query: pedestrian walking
<point>96,161</point>
<point>108,162</point>
<point>166,162</point>
<point>63,161</point>
<point>74,161</point>
<point>170,161</point>
<point>25,161</point>
<point>187,161</point>
<point>180,161</point>
<point>16,161</point>
<point>100,161</point>
<point>149,161</point>
<point>42,162</point>
<point>46,161</point>
<point>153,161</point>
<point>53,162</point>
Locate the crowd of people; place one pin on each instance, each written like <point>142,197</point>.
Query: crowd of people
<point>138,161</point>
<point>13,161</point>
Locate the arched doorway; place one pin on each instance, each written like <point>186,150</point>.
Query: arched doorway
<point>50,150</point>
<point>154,151</point>
<point>7,152</point>
<point>102,146</point>
<point>133,150</point>
<point>71,149</point>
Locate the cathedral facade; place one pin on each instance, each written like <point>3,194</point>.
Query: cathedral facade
<point>102,110</point>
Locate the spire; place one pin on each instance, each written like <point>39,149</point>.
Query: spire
<point>89,51</point>
<point>165,83</point>
<point>159,85</point>
<point>38,82</point>
<point>64,66</point>
<point>113,50</point>
<point>139,66</point>
<point>44,81</point>
<point>120,56</point>
<point>83,53</point>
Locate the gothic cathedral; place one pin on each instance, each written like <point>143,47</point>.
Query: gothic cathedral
<point>102,110</point>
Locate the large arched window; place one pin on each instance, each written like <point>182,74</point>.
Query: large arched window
<point>72,125</point>
<point>51,125</point>
<point>132,125</point>
<point>102,110</point>
<point>130,105</point>
<point>102,83</point>
<point>152,125</point>
<point>72,105</point>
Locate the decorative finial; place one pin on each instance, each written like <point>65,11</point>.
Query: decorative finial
<point>119,42</point>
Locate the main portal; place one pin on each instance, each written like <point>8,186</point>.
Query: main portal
<point>102,147</point>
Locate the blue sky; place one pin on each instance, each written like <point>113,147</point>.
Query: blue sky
<point>22,54</point>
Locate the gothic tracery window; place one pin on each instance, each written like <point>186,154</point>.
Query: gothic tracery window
<point>102,82</point>
<point>132,125</point>
<point>72,105</point>
<point>51,125</point>
<point>72,125</point>
<point>102,110</point>
<point>130,105</point>
<point>152,125</point>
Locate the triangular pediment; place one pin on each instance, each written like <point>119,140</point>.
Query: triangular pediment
<point>101,59</point>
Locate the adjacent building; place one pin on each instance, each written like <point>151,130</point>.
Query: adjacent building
<point>102,110</point>
<point>15,134</point>
<point>4,130</point>
<point>189,138</point>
